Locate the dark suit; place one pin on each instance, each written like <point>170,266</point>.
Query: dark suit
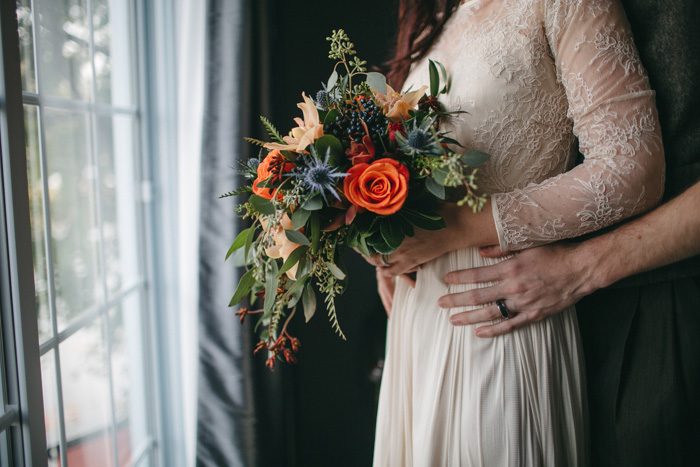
<point>641,337</point>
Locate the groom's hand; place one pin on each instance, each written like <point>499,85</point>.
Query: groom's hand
<point>534,284</point>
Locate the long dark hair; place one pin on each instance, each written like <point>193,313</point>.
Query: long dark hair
<point>420,24</point>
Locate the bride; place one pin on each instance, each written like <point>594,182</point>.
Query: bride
<point>533,78</point>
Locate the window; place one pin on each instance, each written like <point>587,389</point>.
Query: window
<point>89,209</point>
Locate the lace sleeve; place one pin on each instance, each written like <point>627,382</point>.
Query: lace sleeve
<point>616,123</point>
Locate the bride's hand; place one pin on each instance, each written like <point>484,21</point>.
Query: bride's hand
<point>464,228</point>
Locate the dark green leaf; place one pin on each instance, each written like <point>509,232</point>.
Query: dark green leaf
<point>422,220</point>
<point>362,246</point>
<point>293,259</point>
<point>244,286</point>
<point>434,78</point>
<point>391,233</point>
<point>297,237</point>
<point>299,218</point>
<point>309,301</point>
<point>405,226</point>
<point>435,188</point>
<point>377,81</point>
<point>330,117</point>
<point>330,143</point>
<point>474,158</point>
<point>237,243</point>
<point>315,226</point>
<point>262,205</point>
<point>445,78</point>
<point>313,204</point>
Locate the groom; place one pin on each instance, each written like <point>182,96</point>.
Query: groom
<point>641,336</point>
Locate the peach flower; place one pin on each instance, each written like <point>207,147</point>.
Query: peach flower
<point>283,247</point>
<point>308,131</point>
<point>395,105</point>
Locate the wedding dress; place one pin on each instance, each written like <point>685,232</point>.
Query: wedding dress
<point>533,77</point>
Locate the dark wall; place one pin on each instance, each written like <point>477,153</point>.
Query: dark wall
<point>322,410</point>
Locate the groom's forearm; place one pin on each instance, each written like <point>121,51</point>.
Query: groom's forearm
<point>663,236</point>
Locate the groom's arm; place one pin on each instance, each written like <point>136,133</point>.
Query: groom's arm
<point>542,281</point>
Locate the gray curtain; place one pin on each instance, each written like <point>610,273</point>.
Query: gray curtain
<point>225,408</point>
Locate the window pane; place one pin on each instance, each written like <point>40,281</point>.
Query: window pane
<point>116,150</point>
<point>26,45</point>
<point>64,48</point>
<point>86,397</point>
<point>113,57</point>
<point>128,373</point>
<point>36,204</point>
<point>74,229</point>
<point>51,418</point>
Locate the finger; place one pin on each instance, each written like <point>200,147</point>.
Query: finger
<point>475,275</point>
<point>474,297</point>
<point>481,315</point>
<point>492,251</point>
<point>504,327</point>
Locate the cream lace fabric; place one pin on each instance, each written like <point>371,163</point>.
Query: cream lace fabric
<point>533,76</point>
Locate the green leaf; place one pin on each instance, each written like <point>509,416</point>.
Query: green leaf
<point>330,117</point>
<point>444,77</point>
<point>295,297</point>
<point>474,158</point>
<point>248,242</point>
<point>299,218</point>
<point>440,176</point>
<point>297,285</point>
<point>362,246</point>
<point>238,242</point>
<point>271,283</point>
<point>309,301</point>
<point>297,237</point>
<point>435,188</point>
<point>244,286</point>
<point>377,81</point>
<point>313,204</point>
<point>434,78</point>
<point>422,220</point>
<point>391,233</point>
<point>330,143</point>
<point>332,81</point>
<point>271,130</point>
<point>293,259</point>
<point>405,226</point>
<point>262,205</point>
<point>335,270</point>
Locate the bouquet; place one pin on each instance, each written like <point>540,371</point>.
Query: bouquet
<point>363,168</point>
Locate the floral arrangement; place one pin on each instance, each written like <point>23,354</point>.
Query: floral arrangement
<point>363,168</point>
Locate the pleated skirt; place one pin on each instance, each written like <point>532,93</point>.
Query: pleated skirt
<point>449,398</point>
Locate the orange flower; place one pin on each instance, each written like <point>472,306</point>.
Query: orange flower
<point>274,165</point>
<point>380,187</point>
<point>308,131</point>
<point>396,105</point>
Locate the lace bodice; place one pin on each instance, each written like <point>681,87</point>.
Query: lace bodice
<point>533,76</point>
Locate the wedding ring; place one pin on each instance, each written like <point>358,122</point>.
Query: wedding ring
<point>505,312</point>
<point>385,261</point>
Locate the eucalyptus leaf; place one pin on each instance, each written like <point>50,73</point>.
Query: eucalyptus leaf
<point>262,205</point>
<point>271,283</point>
<point>435,188</point>
<point>299,218</point>
<point>293,259</point>
<point>237,243</point>
<point>309,301</point>
<point>332,81</point>
<point>313,204</point>
<point>295,297</point>
<point>244,286</point>
<point>248,242</point>
<point>297,237</point>
<point>377,81</point>
<point>475,158</point>
<point>298,285</point>
<point>335,270</point>
<point>440,176</point>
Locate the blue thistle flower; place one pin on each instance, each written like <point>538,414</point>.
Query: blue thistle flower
<point>418,138</point>
<point>318,176</point>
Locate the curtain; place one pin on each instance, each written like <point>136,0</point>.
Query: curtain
<point>225,413</point>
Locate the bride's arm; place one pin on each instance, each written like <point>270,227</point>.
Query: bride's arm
<point>615,120</point>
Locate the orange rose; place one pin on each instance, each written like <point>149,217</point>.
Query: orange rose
<point>274,165</point>
<point>380,187</point>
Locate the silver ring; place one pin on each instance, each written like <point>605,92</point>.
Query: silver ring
<point>505,312</point>
<point>385,261</point>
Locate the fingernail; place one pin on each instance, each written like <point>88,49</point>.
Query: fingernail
<point>453,321</point>
<point>442,303</point>
<point>479,333</point>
